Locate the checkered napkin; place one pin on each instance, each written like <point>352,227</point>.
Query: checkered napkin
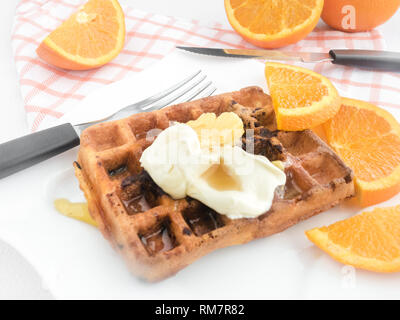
<point>49,92</point>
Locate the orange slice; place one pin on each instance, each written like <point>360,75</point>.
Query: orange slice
<point>368,241</point>
<point>90,37</point>
<point>367,138</point>
<point>302,99</point>
<point>273,23</point>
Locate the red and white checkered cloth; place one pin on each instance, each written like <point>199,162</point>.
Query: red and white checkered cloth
<point>49,92</point>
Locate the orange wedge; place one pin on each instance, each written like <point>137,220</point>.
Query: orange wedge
<point>368,241</point>
<point>91,37</point>
<point>273,23</point>
<point>367,138</point>
<point>302,99</point>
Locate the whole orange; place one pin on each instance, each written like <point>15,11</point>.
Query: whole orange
<point>358,15</point>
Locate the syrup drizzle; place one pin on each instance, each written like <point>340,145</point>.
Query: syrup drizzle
<point>78,211</point>
<point>136,205</point>
<point>160,240</point>
<point>219,177</point>
<point>203,220</point>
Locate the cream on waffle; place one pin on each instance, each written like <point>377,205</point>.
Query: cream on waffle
<point>158,236</point>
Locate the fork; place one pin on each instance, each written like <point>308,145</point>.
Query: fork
<point>24,152</point>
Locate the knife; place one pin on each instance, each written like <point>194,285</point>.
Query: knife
<point>371,59</point>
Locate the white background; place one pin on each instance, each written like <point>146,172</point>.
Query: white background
<point>17,278</point>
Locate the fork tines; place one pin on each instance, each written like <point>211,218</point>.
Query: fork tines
<point>195,86</point>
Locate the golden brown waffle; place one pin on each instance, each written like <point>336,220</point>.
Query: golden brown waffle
<point>158,236</point>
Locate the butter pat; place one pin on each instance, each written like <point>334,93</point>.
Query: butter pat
<point>225,129</point>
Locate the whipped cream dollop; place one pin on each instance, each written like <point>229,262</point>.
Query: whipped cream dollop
<point>227,179</point>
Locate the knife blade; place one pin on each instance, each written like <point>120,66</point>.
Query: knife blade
<point>371,59</point>
<point>254,53</point>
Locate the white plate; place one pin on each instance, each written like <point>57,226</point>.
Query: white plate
<point>76,262</point>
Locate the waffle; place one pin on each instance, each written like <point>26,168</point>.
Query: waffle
<point>158,236</point>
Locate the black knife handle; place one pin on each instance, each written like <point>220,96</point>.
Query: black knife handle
<point>24,152</point>
<point>371,59</point>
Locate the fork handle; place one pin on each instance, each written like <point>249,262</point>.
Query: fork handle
<point>24,152</point>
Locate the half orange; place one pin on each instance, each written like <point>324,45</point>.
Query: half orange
<point>273,23</point>
<point>91,37</point>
